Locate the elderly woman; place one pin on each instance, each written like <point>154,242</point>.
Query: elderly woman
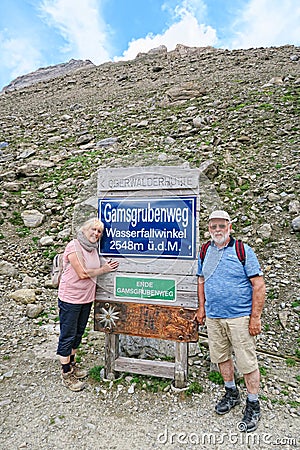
<point>76,293</point>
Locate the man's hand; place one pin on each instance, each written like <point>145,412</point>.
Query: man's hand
<point>254,326</point>
<point>200,315</point>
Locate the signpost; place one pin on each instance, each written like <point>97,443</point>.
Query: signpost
<point>150,216</point>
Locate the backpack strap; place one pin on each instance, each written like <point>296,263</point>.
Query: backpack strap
<point>239,248</point>
<point>240,251</point>
<point>203,250</point>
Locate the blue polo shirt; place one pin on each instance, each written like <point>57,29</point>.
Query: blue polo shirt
<point>227,286</point>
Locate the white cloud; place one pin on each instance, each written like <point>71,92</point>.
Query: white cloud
<point>265,23</point>
<point>186,30</point>
<point>82,27</point>
<point>19,56</point>
<point>196,7</point>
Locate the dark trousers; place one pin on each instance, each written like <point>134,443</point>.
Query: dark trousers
<point>73,319</point>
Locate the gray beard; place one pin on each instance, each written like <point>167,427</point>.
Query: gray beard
<point>221,240</point>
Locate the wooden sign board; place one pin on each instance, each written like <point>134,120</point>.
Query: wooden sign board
<point>159,322</point>
<point>150,216</point>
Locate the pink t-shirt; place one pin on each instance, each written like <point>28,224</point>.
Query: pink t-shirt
<point>71,288</point>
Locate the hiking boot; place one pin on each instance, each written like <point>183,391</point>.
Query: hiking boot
<point>78,373</point>
<point>251,417</point>
<point>71,382</point>
<point>228,401</point>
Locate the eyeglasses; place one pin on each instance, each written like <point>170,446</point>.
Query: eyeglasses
<point>222,226</point>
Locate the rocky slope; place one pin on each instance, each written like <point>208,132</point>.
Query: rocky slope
<point>234,113</point>
<point>47,73</point>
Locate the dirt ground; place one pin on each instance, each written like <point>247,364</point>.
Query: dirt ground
<point>38,412</point>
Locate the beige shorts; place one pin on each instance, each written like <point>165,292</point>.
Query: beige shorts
<point>227,336</point>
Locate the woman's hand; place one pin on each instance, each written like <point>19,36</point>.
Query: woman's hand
<point>110,266</point>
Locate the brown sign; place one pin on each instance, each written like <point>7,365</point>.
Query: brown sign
<point>163,322</point>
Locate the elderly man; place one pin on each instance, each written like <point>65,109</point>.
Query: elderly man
<point>231,293</point>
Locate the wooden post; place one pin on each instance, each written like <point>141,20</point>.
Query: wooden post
<point>111,354</point>
<point>181,364</point>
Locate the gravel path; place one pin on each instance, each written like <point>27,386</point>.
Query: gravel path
<point>37,412</point>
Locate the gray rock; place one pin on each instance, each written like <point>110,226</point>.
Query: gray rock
<point>32,218</point>
<point>24,296</point>
<point>161,49</point>
<point>296,224</point>
<point>183,92</point>
<point>84,139</point>
<point>209,168</point>
<point>34,310</point>
<point>265,231</point>
<point>29,282</point>
<point>107,142</point>
<point>64,233</point>
<point>294,207</point>
<point>7,268</point>
<point>46,241</point>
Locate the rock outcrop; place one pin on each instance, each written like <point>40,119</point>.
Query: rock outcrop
<point>47,73</point>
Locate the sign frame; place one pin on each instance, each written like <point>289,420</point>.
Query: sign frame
<point>173,238</point>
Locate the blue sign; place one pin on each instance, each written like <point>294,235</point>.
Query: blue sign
<point>149,227</point>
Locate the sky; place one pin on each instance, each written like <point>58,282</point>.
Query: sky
<point>42,33</point>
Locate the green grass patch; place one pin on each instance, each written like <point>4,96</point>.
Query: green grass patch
<point>263,371</point>
<point>86,332</point>
<point>49,253</point>
<point>23,231</point>
<point>290,362</point>
<point>94,373</point>
<point>294,403</point>
<point>215,377</point>
<point>266,106</point>
<point>150,384</point>
<point>16,219</point>
<point>245,187</point>
<point>238,107</point>
<point>194,388</point>
<point>271,295</point>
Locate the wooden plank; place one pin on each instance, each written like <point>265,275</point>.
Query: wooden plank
<point>135,319</point>
<point>151,178</point>
<point>189,274</point>
<point>159,265</point>
<point>146,193</point>
<point>111,353</point>
<point>181,364</point>
<point>155,266</point>
<point>164,369</point>
<point>186,289</point>
<point>184,300</point>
